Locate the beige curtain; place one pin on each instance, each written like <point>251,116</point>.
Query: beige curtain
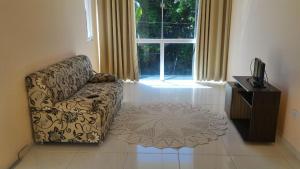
<point>213,39</point>
<point>118,53</point>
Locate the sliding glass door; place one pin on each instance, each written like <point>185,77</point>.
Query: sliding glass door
<point>166,38</point>
<point>149,61</point>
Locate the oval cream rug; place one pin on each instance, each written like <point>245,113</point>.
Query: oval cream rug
<point>168,125</point>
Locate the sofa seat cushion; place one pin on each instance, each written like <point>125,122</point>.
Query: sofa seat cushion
<point>90,99</point>
<point>106,92</point>
<point>91,95</point>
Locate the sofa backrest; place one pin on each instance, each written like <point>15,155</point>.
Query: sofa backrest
<point>58,82</point>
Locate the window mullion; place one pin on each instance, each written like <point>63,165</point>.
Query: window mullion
<point>162,60</point>
<point>162,46</point>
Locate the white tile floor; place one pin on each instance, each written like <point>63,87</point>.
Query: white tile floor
<point>229,152</point>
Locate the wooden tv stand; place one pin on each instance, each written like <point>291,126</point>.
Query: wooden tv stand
<point>253,111</point>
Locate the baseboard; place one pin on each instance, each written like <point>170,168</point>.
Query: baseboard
<point>289,147</point>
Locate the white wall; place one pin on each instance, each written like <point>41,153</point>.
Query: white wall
<point>33,34</point>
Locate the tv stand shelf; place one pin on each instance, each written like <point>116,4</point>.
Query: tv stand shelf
<point>247,97</point>
<point>253,111</point>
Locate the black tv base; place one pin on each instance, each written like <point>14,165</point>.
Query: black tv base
<point>256,84</point>
<point>253,111</point>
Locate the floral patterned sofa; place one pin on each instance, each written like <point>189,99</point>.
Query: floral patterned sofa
<point>70,103</point>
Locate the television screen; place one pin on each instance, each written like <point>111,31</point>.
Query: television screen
<point>256,68</point>
<point>258,73</point>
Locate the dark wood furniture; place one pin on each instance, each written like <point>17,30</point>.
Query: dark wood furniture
<point>253,111</point>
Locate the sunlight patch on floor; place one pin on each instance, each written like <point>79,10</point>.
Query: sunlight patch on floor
<point>181,84</point>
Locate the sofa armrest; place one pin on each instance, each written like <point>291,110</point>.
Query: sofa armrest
<point>102,77</point>
<point>40,97</point>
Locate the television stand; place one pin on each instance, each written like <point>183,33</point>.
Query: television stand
<point>253,111</point>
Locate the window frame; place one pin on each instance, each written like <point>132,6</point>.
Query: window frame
<point>88,19</point>
<point>162,41</point>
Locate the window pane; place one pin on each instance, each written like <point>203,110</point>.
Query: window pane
<point>89,21</point>
<point>148,18</point>
<point>178,61</point>
<point>179,18</point>
<point>149,60</point>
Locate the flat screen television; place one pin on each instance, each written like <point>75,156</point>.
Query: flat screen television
<point>258,75</point>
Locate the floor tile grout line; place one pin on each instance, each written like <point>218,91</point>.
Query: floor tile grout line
<point>256,155</point>
<point>125,161</point>
<point>285,153</point>
<point>235,165</point>
<point>178,158</point>
<point>72,158</point>
<point>288,161</point>
<point>290,166</point>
